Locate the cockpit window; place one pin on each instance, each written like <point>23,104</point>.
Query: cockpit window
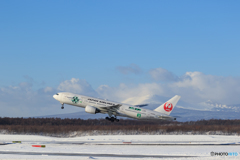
<point>56,94</point>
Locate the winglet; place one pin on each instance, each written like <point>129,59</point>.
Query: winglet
<point>168,106</point>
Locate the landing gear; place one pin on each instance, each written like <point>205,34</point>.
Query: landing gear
<point>112,119</point>
<point>62,106</point>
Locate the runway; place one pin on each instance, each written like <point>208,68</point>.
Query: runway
<point>187,143</point>
<point>93,155</point>
<point>118,146</point>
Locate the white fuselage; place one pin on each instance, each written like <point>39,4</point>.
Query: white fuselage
<point>104,106</point>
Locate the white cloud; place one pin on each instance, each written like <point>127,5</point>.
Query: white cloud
<point>124,91</point>
<point>133,68</point>
<point>23,101</point>
<point>48,89</point>
<point>77,86</point>
<point>200,87</point>
<point>160,74</point>
<point>194,87</point>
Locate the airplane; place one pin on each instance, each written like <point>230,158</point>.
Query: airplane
<point>113,109</point>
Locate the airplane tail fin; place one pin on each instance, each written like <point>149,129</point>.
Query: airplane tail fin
<point>168,106</point>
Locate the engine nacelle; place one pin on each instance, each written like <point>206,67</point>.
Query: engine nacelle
<point>91,109</point>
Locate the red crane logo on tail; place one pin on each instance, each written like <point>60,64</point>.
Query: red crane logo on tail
<point>168,106</point>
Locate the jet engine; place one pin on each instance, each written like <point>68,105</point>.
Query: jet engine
<point>91,109</point>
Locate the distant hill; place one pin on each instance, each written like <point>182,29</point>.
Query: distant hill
<point>82,115</point>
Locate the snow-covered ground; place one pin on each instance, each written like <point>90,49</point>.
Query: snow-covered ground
<point>93,147</point>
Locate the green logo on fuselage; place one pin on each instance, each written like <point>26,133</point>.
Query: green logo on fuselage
<point>75,99</point>
<point>139,115</point>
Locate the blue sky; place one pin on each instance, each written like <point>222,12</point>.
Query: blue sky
<point>45,43</point>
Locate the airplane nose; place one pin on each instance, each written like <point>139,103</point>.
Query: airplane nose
<point>56,96</point>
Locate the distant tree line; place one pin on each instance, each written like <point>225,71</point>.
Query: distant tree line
<point>64,126</point>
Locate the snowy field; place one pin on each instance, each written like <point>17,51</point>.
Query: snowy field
<point>120,147</point>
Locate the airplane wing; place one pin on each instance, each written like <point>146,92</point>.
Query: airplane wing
<point>111,108</point>
<point>141,105</point>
